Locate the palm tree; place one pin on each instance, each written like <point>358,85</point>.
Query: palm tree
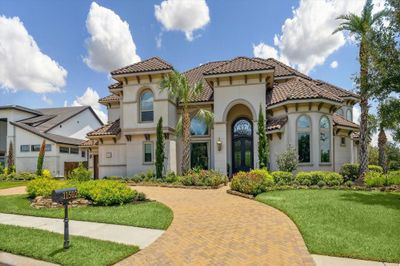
<point>361,28</point>
<point>179,88</point>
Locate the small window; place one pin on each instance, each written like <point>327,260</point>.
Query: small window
<point>48,147</point>
<point>343,141</point>
<point>83,154</point>
<point>35,147</point>
<point>74,150</point>
<point>24,148</point>
<point>340,112</point>
<point>64,150</point>
<point>148,152</point>
<point>146,106</point>
<point>349,115</point>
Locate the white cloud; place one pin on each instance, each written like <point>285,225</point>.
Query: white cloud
<point>159,40</point>
<point>22,65</point>
<point>47,99</point>
<point>306,39</point>
<point>265,51</point>
<point>183,15</point>
<point>110,45</point>
<point>90,98</point>
<point>334,64</point>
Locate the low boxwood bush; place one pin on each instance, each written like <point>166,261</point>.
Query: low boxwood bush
<point>393,178</point>
<point>43,187</point>
<point>374,179</point>
<point>282,177</point>
<point>253,182</point>
<point>333,179</point>
<point>203,178</point>
<point>350,170</point>
<point>105,192</point>
<point>315,177</point>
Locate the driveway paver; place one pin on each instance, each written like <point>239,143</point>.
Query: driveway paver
<point>13,191</point>
<point>211,227</point>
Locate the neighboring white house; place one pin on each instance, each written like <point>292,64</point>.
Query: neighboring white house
<point>312,116</point>
<point>64,129</point>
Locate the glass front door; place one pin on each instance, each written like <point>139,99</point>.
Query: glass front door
<point>242,145</point>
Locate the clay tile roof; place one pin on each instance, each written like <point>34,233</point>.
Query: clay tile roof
<point>111,129</point>
<point>298,89</point>
<point>117,85</point>
<point>339,120</point>
<point>334,89</point>
<point>239,64</point>
<point>148,65</point>
<point>276,123</point>
<point>195,75</point>
<point>281,69</point>
<point>89,143</point>
<point>110,99</point>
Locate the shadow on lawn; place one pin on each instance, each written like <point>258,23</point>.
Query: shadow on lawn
<point>390,200</point>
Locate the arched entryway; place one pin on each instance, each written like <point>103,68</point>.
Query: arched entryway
<point>242,145</point>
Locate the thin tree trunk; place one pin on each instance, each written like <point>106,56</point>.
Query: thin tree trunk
<point>382,140</point>
<point>364,109</point>
<point>186,140</point>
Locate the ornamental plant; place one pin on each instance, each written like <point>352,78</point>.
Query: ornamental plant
<point>251,183</point>
<point>11,160</point>
<point>262,140</point>
<point>39,167</point>
<point>160,155</point>
<point>80,174</point>
<point>288,160</point>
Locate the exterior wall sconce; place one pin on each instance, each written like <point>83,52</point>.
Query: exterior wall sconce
<point>219,144</point>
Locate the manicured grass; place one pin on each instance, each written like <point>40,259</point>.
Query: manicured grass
<point>147,214</point>
<point>364,225</point>
<point>48,246</point>
<point>9,184</point>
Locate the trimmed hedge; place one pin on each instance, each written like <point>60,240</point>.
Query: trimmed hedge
<point>43,187</point>
<point>317,177</point>
<point>377,179</point>
<point>283,178</point>
<point>350,170</point>
<point>203,178</point>
<point>253,182</point>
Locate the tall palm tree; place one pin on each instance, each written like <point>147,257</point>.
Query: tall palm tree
<point>179,88</point>
<point>361,28</point>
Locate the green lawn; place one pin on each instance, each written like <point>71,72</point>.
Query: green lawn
<point>8,184</point>
<point>48,246</point>
<point>147,214</point>
<point>364,225</point>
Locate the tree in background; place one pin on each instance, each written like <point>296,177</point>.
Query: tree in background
<point>39,166</point>
<point>160,155</point>
<point>262,140</point>
<point>361,27</point>
<point>180,89</point>
<point>11,159</point>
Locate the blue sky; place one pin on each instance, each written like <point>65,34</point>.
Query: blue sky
<point>223,30</point>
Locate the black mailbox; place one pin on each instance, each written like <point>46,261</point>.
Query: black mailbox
<point>64,195</point>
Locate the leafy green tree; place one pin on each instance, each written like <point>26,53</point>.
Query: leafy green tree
<point>39,167</point>
<point>361,27</point>
<point>288,160</point>
<point>160,155</point>
<point>11,159</point>
<point>180,89</point>
<point>262,140</point>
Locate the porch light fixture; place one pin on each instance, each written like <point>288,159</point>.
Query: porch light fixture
<point>219,144</point>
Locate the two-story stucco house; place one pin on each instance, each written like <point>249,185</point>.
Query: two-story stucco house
<point>312,116</point>
<point>64,129</point>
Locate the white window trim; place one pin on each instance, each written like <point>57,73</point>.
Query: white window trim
<point>140,105</point>
<point>325,130</point>
<point>152,152</point>
<point>304,130</point>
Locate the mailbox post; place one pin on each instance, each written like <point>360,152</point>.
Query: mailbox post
<point>63,196</point>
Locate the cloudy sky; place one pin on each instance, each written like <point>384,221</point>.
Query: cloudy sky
<point>56,53</point>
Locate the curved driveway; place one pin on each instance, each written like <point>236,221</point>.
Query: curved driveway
<point>211,227</point>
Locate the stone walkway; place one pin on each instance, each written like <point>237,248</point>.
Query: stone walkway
<point>8,259</point>
<point>129,235</point>
<point>211,227</point>
<point>13,191</point>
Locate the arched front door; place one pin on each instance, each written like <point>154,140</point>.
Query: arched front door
<point>242,145</point>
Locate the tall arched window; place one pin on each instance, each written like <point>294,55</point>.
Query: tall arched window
<point>340,112</point>
<point>304,139</point>
<point>349,115</point>
<point>146,106</point>
<point>198,127</point>
<point>325,139</point>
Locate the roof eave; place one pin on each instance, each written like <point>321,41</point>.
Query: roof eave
<point>238,73</point>
<point>123,75</point>
<point>306,100</point>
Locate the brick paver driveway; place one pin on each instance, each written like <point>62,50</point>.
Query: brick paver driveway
<point>211,227</point>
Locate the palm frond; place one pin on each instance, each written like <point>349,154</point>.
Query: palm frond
<point>179,127</point>
<point>206,116</point>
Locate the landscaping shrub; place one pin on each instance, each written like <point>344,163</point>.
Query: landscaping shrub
<point>114,177</point>
<point>171,177</point>
<point>333,179</point>
<point>269,179</point>
<point>1,168</point>
<point>46,173</point>
<point>288,160</point>
<point>350,171</point>
<point>314,178</point>
<point>304,178</point>
<point>393,166</point>
<point>374,179</point>
<point>25,176</point>
<point>203,178</point>
<point>249,183</point>
<point>80,174</point>
<point>43,187</point>
<point>375,168</point>
<point>321,183</point>
<point>393,178</point>
<point>282,178</point>
<point>106,192</point>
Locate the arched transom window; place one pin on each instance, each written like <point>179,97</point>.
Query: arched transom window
<point>325,140</point>
<point>198,127</point>
<point>146,106</point>
<point>303,139</point>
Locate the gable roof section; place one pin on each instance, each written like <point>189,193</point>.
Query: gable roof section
<point>20,108</point>
<point>237,65</point>
<point>114,86</point>
<point>339,120</point>
<point>281,69</point>
<point>148,65</point>
<point>111,129</point>
<point>335,89</point>
<point>298,89</point>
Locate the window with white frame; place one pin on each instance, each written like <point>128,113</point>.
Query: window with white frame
<point>349,115</point>
<point>324,139</point>
<point>148,152</point>
<point>146,106</point>
<point>24,148</point>
<point>340,112</point>
<point>304,138</point>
